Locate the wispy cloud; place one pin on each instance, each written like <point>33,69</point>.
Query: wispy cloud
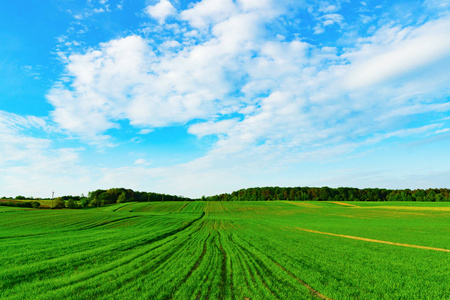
<point>34,164</point>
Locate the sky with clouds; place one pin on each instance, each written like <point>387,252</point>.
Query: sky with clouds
<point>203,97</point>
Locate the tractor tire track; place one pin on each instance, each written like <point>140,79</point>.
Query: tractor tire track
<point>197,262</point>
<point>81,259</point>
<point>259,268</point>
<point>311,289</point>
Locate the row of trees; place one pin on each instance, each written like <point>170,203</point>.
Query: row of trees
<point>121,195</point>
<point>102,197</point>
<point>20,197</point>
<point>332,194</point>
<point>28,204</point>
<point>96,198</point>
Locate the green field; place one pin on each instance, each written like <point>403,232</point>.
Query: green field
<point>227,250</point>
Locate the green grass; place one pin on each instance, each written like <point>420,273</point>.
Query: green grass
<point>9,208</point>
<point>226,250</point>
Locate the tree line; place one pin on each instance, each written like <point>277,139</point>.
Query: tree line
<point>121,195</point>
<point>332,194</point>
<point>26,204</point>
<point>102,197</point>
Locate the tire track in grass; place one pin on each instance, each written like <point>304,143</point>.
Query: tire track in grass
<point>162,259</point>
<point>183,207</point>
<point>102,271</point>
<point>56,285</point>
<point>152,275</point>
<point>87,227</point>
<point>82,242</point>
<point>258,269</point>
<point>209,270</point>
<point>120,206</point>
<point>159,265</point>
<point>252,283</point>
<point>239,263</point>
<point>224,270</point>
<point>197,262</point>
<point>170,233</point>
<point>106,222</point>
<point>311,289</point>
<point>132,276</point>
<point>213,267</point>
<point>374,241</point>
<point>47,267</point>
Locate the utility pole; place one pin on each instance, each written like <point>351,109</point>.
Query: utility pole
<point>162,198</point>
<point>148,198</point>
<point>53,195</point>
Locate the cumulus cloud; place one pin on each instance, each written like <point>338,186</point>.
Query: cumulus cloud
<point>127,79</point>
<point>161,10</point>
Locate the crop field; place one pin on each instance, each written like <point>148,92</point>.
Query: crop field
<point>227,250</point>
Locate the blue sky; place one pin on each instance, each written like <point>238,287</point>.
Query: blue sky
<point>205,97</point>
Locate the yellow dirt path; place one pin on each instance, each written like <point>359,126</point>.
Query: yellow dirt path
<point>345,204</point>
<point>374,241</point>
<point>443,209</point>
<point>303,204</point>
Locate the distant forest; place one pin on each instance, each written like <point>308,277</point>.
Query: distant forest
<point>93,199</point>
<point>332,194</point>
<point>121,195</point>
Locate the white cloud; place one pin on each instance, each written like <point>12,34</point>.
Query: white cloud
<point>402,52</point>
<point>296,102</point>
<point>126,79</point>
<point>161,10</point>
<point>292,91</point>
<point>209,12</point>
<point>32,165</point>
<point>212,128</point>
<point>441,5</point>
<point>328,20</point>
<point>140,162</point>
<point>19,147</point>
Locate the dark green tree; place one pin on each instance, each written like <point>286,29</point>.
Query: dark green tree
<point>122,198</point>
<point>59,203</point>
<point>71,203</point>
<point>35,204</point>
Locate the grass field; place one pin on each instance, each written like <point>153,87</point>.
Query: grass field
<point>227,250</point>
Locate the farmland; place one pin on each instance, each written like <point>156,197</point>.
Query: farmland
<point>227,250</point>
